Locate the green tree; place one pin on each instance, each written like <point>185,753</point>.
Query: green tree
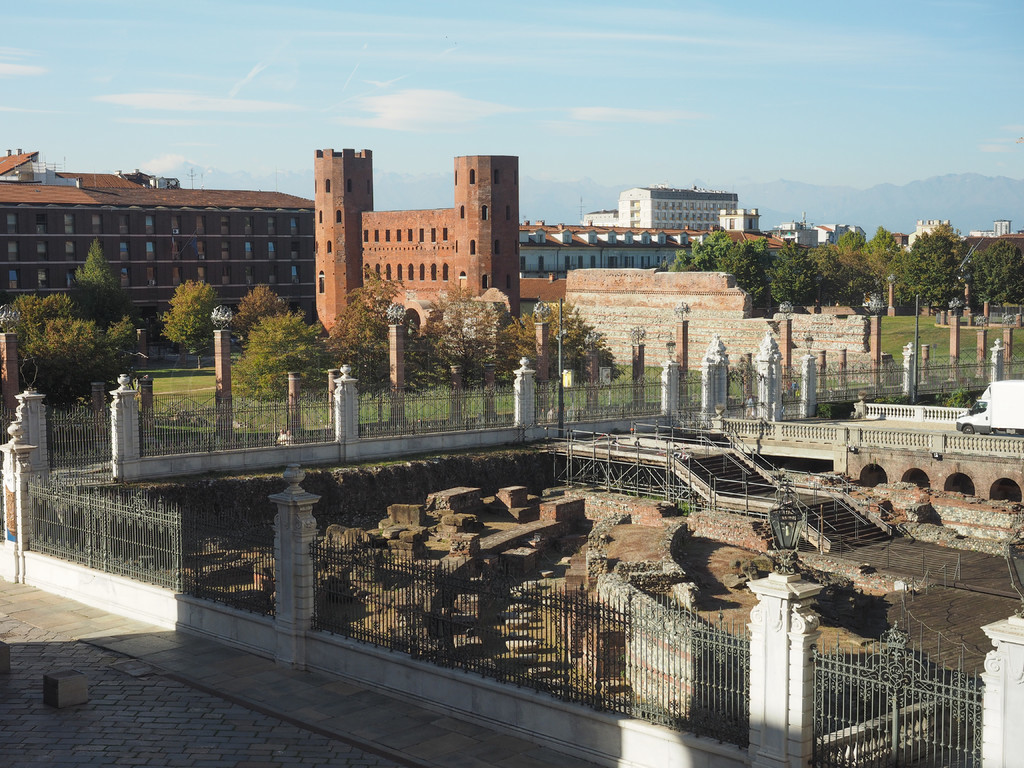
<point>930,268</point>
<point>61,353</point>
<point>574,346</point>
<point>851,241</point>
<point>845,278</point>
<point>705,256</point>
<point>998,273</point>
<point>748,262</point>
<point>188,322</point>
<point>257,304</point>
<point>279,345</point>
<point>98,292</point>
<point>359,336</point>
<point>466,332</point>
<point>793,275</point>
<point>879,253</point>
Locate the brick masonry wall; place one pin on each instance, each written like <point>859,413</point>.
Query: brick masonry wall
<point>616,300</point>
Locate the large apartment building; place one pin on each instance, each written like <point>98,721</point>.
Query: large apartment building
<point>666,208</point>
<point>155,238</point>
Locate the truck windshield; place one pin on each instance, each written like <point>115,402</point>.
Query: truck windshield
<point>979,407</point>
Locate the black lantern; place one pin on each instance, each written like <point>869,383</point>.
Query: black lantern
<point>786,520</point>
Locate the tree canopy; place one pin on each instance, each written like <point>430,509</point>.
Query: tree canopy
<point>930,268</point>
<point>279,345</point>
<point>98,292</point>
<point>998,273</point>
<point>188,321</point>
<point>257,304</point>
<point>793,275</point>
<point>359,336</point>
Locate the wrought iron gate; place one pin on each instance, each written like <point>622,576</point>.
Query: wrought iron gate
<point>892,707</point>
<point>79,444</point>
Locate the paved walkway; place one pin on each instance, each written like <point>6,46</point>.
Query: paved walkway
<point>165,698</point>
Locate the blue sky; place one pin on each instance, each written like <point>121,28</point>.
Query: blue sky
<point>624,94</point>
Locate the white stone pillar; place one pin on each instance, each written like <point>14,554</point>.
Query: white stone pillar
<point>1002,743</point>
<point>909,372</point>
<point>714,378</point>
<point>808,386</point>
<point>526,416</point>
<point>32,415</point>
<point>669,387</point>
<point>17,471</point>
<point>346,408</point>
<point>997,361</point>
<point>124,430</point>
<point>782,633</point>
<point>294,532</point>
<point>768,364</point>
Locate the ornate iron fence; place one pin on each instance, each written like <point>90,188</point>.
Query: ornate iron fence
<point>128,533</point>
<point>228,556</point>
<point>891,707</point>
<point>183,424</point>
<point>390,412</point>
<point>620,399</point>
<point>78,443</point>
<point>655,661</point>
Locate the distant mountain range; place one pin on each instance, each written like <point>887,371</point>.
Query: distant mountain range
<point>969,200</point>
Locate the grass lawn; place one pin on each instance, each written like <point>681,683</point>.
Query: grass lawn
<point>172,379</point>
<point>898,331</point>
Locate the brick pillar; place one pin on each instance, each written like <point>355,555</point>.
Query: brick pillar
<point>9,370</point>
<point>543,362</point>
<point>1002,741</point>
<point>822,361</point>
<point>842,367</point>
<point>891,311</point>
<point>638,362</point>
<point>783,630</point>
<point>808,386</point>
<point>455,410</point>
<point>1007,349</point>
<point>526,415</point>
<point>875,340</point>
<point>141,343</point>
<point>396,355</point>
<point>489,392</point>
<point>683,345</point>
<point>223,399</point>
<point>294,533</point>
<point>786,342</point>
<point>99,396</point>
<point>294,413</point>
<point>124,430</point>
<point>926,354</point>
<point>981,349</point>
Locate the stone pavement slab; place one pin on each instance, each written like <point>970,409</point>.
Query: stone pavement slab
<point>160,697</point>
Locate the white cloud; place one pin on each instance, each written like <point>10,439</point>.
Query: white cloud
<point>19,70</point>
<point>246,80</point>
<point>421,110</point>
<point>620,115</point>
<point>997,148</point>
<point>190,102</point>
<point>164,163</point>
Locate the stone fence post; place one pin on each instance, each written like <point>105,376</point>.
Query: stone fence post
<point>294,532</point>
<point>124,430</point>
<point>997,363</point>
<point>669,387</point>
<point>526,415</point>
<point>808,386</point>
<point>782,634</point>
<point>909,372</point>
<point>17,471</point>
<point>768,365</point>
<point>346,409</point>
<point>32,416</point>
<point>1002,741</point>
<point>714,378</point>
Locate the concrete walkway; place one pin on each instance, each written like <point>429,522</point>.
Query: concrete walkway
<point>159,697</point>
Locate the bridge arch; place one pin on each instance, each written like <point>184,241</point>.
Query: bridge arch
<point>958,482</point>
<point>1005,489</point>
<point>918,477</point>
<point>873,475</point>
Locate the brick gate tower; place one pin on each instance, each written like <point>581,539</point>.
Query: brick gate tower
<point>474,245</point>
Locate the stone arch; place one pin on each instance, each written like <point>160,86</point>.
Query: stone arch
<point>916,476</point>
<point>958,482</point>
<point>873,475</point>
<point>1005,489</point>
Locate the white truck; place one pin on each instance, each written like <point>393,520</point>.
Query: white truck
<point>999,409</point>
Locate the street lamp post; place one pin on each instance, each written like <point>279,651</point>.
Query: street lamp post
<point>786,522</point>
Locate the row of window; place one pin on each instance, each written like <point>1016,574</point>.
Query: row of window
<point>610,262</point>
<point>409,276</point>
<point>14,276</point>
<point>179,224</point>
<point>179,249</point>
<point>398,235</point>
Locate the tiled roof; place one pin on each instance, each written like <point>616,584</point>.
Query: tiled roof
<point>541,289</point>
<point>100,180</point>
<point>40,194</point>
<point>983,243</point>
<point>10,162</point>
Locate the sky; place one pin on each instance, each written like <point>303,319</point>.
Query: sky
<point>625,94</point>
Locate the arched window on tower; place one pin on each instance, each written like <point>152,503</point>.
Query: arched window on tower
<point>387,271</point>
<point>483,282</point>
<point>497,247</point>
<point>399,271</point>
<point>444,272</point>
<point>327,185</point>
<point>320,282</point>
<point>472,247</point>
<point>410,272</point>
<point>337,216</point>
<point>320,219</point>
<point>433,271</point>
<point>472,176</point>
<point>462,211</point>
<point>328,246</point>
<point>483,213</point>
<point>376,268</point>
